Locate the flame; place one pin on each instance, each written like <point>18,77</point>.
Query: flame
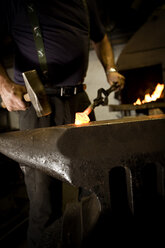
<point>82,117</point>
<point>149,98</point>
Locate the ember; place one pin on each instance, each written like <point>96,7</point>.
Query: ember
<point>149,98</point>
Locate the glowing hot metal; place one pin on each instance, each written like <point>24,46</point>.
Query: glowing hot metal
<point>82,117</point>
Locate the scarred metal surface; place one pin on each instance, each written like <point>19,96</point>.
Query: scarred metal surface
<point>84,155</point>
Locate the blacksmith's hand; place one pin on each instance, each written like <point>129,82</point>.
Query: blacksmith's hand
<point>117,78</point>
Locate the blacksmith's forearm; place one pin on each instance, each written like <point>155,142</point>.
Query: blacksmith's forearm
<point>105,53</point>
<point>3,76</point>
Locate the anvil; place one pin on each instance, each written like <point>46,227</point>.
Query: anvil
<point>83,155</point>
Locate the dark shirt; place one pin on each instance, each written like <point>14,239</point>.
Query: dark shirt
<point>65,29</point>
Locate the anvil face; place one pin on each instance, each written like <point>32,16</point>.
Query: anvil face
<point>81,155</point>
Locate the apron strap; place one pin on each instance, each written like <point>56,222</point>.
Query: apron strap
<point>38,38</point>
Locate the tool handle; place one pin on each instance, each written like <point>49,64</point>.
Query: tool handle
<point>26,97</point>
<point>102,95</point>
<point>3,105</point>
<point>114,87</point>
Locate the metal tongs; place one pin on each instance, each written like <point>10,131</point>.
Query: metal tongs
<point>102,96</point>
<point>101,99</point>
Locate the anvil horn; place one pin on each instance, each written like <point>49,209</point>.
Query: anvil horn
<point>36,148</point>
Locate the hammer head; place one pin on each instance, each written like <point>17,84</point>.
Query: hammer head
<point>37,93</point>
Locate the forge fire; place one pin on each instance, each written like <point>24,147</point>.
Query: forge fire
<point>149,98</point>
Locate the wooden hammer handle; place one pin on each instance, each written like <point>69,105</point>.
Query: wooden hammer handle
<point>26,97</point>
<point>3,105</point>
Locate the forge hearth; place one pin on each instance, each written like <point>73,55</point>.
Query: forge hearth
<point>142,60</point>
<point>140,84</point>
<point>140,81</point>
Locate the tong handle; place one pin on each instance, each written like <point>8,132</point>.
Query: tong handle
<point>102,95</point>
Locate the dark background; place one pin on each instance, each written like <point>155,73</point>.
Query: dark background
<point>126,15</point>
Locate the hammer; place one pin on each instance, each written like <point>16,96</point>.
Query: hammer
<point>35,93</point>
